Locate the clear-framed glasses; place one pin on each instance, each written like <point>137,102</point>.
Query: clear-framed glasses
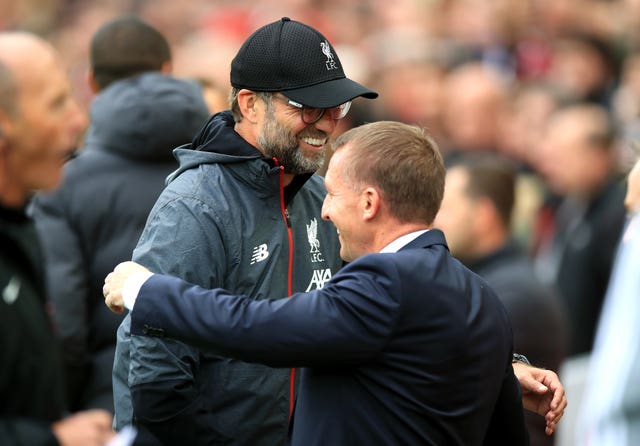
<point>311,115</point>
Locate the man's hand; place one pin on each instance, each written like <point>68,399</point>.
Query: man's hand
<point>114,283</point>
<point>542,393</point>
<point>88,428</point>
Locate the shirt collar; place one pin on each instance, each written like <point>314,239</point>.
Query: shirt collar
<point>402,241</point>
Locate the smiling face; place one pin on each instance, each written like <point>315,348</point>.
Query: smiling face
<point>343,206</point>
<point>297,146</point>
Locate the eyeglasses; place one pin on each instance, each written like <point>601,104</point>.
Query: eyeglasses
<point>311,115</point>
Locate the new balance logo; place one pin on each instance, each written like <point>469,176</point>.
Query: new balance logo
<point>320,277</point>
<point>259,254</point>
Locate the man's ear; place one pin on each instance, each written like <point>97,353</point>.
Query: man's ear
<point>248,102</point>
<point>370,201</point>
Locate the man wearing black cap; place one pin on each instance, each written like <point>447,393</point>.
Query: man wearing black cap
<point>241,212</point>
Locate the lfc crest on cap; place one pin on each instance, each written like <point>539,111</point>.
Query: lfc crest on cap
<point>326,50</point>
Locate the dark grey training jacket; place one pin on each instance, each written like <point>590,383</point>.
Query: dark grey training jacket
<point>224,220</point>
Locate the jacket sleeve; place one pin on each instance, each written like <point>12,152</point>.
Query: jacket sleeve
<point>507,424</point>
<point>347,321</point>
<point>178,239</point>
<point>16,431</point>
<point>67,289</point>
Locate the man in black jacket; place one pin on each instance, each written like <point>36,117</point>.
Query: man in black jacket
<point>578,159</point>
<point>94,220</point>
<point>476,218</point>
<point>39,126</point>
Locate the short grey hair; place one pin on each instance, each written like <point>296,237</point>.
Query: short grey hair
<point>235,107</point>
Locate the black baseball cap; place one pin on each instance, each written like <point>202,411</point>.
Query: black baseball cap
<point>293,58</point>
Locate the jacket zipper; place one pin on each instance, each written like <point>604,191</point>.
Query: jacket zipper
<point>285,216</point>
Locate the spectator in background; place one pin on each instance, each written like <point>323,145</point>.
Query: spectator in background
<point>626,97</point>
<point>414,93</point>
<point>410,66</point>
<point>476,100</point>
<point>578,159</point>
<point>94,220</point>
<point>39,126</point>
<point>530,105</point>
<point>611,410</point>
<point>528,111</point>
<point>476,218</point>
<point>214,96</point>
<point>584,67</point>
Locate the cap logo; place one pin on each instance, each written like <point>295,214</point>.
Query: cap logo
<point>326,50</point>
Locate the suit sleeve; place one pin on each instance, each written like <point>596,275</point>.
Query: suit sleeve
<point>162,372</point>
<point>17,431</point>
<point>67,288</point>
<point>348,321</point>
<point>507,424</point>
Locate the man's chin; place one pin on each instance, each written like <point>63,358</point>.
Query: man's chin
<point>306,165</point>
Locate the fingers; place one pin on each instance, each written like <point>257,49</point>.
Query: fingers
<point>529,378</point>
<point>553,418</point>
<point>559,401</point>
<point>110,298</point>
<point>556,412</point>
<point>87,428</point>
<point>99,417</point>
<point>550,429</point>
<point>115,308</point>
<point>531,384</point>
<point>542,393</point>
<point>554,415</point>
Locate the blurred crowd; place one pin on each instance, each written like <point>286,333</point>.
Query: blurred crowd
<point>480,75</point>
<point>552,86</point>
<point>408,49</point>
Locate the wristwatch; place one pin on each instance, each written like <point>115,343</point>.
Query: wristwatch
<point>520,358</point>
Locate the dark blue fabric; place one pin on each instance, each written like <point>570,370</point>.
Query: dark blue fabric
<point>398,348</point>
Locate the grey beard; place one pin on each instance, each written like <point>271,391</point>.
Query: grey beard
<point>293,161</point>
<point>276,141</point>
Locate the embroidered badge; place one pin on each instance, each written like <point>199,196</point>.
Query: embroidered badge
<point>326,50</point>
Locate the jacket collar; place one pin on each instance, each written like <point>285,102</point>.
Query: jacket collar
<point>426,240</point>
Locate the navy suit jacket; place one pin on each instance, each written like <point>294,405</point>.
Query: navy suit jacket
<point>398,348</point>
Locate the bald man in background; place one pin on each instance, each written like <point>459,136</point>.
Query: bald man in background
<point>40,123</point>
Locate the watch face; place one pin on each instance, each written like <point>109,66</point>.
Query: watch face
<point>520,358</point>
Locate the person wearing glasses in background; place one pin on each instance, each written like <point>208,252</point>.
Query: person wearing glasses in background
<point>243,212</point>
